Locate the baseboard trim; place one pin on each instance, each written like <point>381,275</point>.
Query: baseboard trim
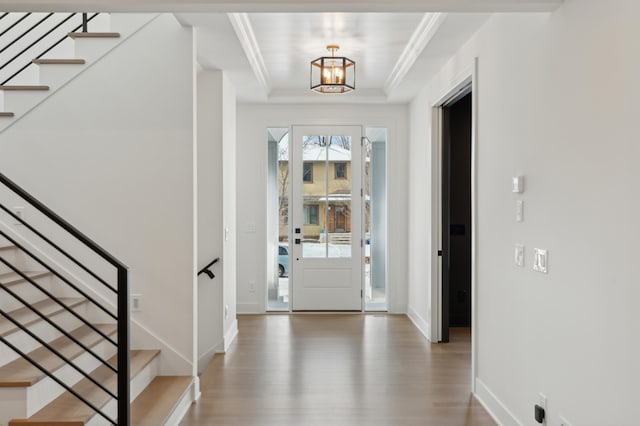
<point>249,308</point>
<point>496,408</point>
<point>230,335</point>
<point>190,396</point>
<point>206,358</point>
<point>419,322</point>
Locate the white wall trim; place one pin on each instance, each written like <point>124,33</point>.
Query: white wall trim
<point>421,324</point>
<point>191,395</point>
<point>206,357</point>
<point>468,76</point>
<point>250,308</point>
<point>496,408</point>
<point>244,30</point>
<point>230,335</point>
<point>423,34</point>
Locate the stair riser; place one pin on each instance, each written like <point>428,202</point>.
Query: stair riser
<point>46,390</point>
<point>41,329</point>
<point>21,101</point>
<point>138,384</point>
<point>27,291</point>
<point>91,49</point>
<point>55,75</point>
<point>12,401</point>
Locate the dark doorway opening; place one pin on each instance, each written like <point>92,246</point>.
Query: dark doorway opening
<point>456,212</point>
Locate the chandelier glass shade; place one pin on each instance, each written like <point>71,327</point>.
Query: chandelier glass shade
<point>333,74</point>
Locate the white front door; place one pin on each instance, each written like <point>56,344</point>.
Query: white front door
<point>327,218</point>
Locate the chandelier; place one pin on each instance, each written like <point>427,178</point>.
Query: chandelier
<point>333,74</point>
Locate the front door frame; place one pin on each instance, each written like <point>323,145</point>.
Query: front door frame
<point>355,198</point>
<point>467,78</point>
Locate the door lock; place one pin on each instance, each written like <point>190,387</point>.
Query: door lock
<point>297,240</point>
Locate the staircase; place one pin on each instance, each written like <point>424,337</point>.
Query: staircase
<point>64,345</point>
<point>40,53</point>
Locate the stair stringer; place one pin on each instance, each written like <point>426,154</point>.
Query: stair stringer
<point>171,361</point>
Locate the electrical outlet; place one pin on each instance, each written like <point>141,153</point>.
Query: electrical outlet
<point>136,301</point>
<point>252,286</point>
<point>540,258</point>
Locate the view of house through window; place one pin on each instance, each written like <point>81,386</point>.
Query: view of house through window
<point>326,210</point>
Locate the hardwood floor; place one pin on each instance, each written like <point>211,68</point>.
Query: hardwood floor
<point>338,370</point>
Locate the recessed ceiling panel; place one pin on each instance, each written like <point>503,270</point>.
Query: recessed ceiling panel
<point>290,41</point>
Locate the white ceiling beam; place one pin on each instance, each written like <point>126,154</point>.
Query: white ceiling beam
<point>236,6</point>
<point>242,26</point>
<point>424,32</point>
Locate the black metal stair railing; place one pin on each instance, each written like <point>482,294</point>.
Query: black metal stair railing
<point>122,396</point>
<point>42,44</point>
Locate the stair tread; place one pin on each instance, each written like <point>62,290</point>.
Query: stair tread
<point>51,61</point>
<point>6,246</point>
<point>26,317</point>
<point>156,403</point>
<point>23,87</point>
<point>11,278</point>
<point>20,372</point>
<point>69,410</point>
<point>94,35</point>
<point>6,114</point>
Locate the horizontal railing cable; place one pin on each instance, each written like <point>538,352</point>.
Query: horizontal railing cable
<point>55,379</point>
<point>58,354</point>
<point>60,276</point>
<point>50,47</point>
<point>3,15</point>
<point>16,56</point>
<point>61,222</point>
<point>121,290</point>
<point>57,247</point>
<point>58,301</point>
<point>25,16</point>
<point>24,34</point>
<point>56,326</point>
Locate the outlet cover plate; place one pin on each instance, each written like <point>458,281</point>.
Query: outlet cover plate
<point>540,260</point>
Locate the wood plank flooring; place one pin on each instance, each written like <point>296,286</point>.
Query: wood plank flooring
<point>338,370</point>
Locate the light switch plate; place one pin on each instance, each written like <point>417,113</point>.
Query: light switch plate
<point>540,260</point>
<point>519,210</point>
<point>519,255</point>
<point>517,184</point>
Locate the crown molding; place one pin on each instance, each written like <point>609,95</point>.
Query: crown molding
<point>244,31</point>
<point>423,34</point>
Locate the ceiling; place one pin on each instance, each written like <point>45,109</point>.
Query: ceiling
<point>267,55</point>
<point>266,46</point>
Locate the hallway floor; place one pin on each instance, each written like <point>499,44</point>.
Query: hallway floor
<point>338,370</point>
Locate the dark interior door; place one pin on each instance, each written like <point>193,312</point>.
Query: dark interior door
<point>456,215</point>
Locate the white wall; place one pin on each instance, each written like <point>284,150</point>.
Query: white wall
<point>112,153</point>
<point>210,229</point>
<point>229,206</point>
<point>557,103</point>
<point>253,121</point>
